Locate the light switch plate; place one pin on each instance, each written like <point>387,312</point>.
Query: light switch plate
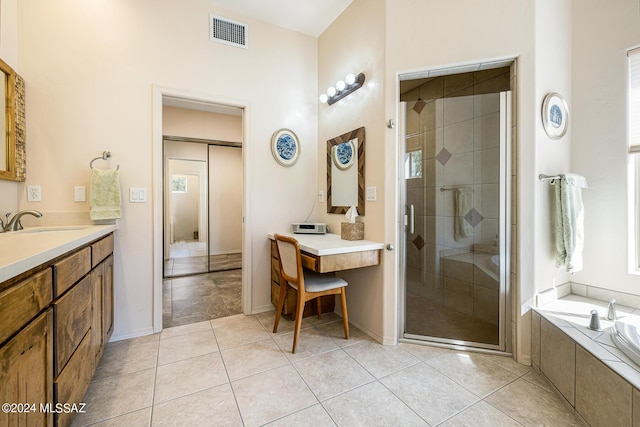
<point>372,194</point>
<point>79,193</point>
<point>34,193</point>
<point>138,195</point>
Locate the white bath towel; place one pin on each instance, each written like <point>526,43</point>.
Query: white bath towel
<point>104,196</point>
<point>463,203</point>
<point>569,219</point>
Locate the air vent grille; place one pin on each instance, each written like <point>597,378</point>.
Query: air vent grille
<point>229,32</point>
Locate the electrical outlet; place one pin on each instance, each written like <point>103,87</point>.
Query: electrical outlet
<point>34,193</point>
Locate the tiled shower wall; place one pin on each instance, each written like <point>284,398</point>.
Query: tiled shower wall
<point>459,139</point>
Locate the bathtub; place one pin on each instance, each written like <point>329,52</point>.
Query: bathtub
<point>625,334</point>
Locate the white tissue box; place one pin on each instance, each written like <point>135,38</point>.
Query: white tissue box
<point>352,230</point>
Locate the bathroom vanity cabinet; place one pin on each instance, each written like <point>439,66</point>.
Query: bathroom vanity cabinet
<point>55,320</point>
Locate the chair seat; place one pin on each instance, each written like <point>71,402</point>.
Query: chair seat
<point>318,282</point>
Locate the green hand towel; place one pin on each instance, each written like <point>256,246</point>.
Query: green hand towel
<point>105,194</point>
<point>463,204</point>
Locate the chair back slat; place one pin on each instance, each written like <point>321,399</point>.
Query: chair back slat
<point>290,262</point>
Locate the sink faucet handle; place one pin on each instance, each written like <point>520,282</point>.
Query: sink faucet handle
<point>611,313</point>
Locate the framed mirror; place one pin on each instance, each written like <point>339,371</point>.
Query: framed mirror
<point>345,172</point>
<point>12,125</point>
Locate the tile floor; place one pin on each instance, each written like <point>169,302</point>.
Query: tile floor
<point>190,257</point>
<point>202,297</point>
<point>235,372</point>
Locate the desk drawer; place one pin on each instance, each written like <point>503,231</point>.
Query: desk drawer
<point>309,261</point>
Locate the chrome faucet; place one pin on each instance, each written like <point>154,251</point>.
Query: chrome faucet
<point>611,314</point>
<point>14,224</point>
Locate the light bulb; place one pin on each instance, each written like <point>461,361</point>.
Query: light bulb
<point>340,85</point>
<point>331,91</point>
<point>350,79</point>
<point>324,98</point>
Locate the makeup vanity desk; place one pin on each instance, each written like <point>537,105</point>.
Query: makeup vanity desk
<point>324,253</point>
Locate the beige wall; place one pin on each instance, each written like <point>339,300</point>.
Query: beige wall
<point>9,54</point>
<point>201,124</point>
<point>90,69</point>
<point>354,43</point>
<point>601,36</point>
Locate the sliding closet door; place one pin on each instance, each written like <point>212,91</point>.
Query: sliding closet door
<point>225,207</point>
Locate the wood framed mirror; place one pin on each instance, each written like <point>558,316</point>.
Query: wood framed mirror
<point>12,125</point>
<point>345,172</point>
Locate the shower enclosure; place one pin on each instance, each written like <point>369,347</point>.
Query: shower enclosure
<point>456,196</point>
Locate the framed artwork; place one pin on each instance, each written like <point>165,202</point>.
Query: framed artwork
<point>285,147</point>
<point>555,115</point>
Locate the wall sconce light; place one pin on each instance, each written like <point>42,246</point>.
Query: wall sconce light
<point>350,84</point>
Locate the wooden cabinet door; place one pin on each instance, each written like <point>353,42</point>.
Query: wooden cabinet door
<point>107,300</point>
<point>102,324</point>
<point>26,373</point>
<point>97,334</point>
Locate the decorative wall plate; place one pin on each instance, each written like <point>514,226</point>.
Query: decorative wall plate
<point>555,115</point>
<point>285,147</point>
<point>344,154</point>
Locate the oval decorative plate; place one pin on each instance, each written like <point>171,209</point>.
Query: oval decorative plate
<point>285,147</point>
<point>555,115</point>
<point>344,154</point>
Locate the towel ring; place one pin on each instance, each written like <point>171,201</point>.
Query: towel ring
<point>105,156</point>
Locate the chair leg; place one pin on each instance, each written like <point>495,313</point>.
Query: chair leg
<point>345,317</point>
<point>319,306</point>
<point>299,313</point>
<point>283,292</point>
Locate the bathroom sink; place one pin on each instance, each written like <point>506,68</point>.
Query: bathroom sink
<point>50,229</point>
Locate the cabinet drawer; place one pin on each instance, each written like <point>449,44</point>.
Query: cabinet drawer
<point>70,270</point>
<point>72,320</point>
<point>22,302</point>
<point>101,249</point>
<point>73,381</point>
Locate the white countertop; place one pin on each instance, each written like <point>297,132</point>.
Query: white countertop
<point>330,244</point>
<point>25,249</point>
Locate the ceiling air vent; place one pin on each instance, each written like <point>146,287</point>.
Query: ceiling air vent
<point>229,32</point>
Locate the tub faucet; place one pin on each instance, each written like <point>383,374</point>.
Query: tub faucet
<point>611,314</point>
<point>14,224</point>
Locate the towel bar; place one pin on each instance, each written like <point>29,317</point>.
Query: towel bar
<point>552,178</point>
<point>442,189</point>
<point>105,156</point>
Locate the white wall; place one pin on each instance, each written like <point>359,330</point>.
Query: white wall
<point>602,32</point>
<point>90,68</point>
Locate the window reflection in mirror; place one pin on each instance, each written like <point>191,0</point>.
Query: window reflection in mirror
<point>345,172</point>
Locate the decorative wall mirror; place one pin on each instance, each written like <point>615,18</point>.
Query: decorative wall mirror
<point>12,125</point>
<point>345,172</point>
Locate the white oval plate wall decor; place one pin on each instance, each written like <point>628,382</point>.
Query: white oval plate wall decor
<point>285,147</point>
<point>555,115</point>
<point>344,154</point>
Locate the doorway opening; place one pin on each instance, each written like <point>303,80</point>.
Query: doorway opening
<point>202,212</point>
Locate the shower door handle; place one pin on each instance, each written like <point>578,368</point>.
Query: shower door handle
<point>411,219</point>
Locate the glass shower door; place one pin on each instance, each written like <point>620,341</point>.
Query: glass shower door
<point>455,191</point>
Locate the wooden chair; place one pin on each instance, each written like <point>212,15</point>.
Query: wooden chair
<point>307,283</point>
